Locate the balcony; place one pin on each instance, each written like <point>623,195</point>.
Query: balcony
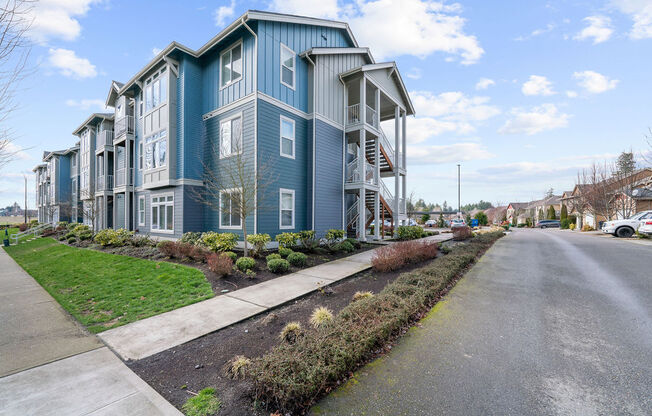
<point>123,126</point>
<point>124,177</point>
<point>353,115</point>
<point>353,174</point>
<point>104,183</point>
<point>103,139</point>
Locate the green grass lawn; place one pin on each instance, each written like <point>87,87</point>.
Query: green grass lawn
<point>104,290</point>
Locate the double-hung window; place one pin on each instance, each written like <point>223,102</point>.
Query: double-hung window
<point>155,150</point>
<point>141,211</point>
<point>287,66</point>
<point>230,209</point>
<point>163,213</point>
<point>231,136</point>
<point>231,65</point>
<point>140,155</point>
<point>287,137</point>
<point>286,209</point>
<point>156,90</point>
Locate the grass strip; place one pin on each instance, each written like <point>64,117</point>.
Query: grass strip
<point>102,290</point>
<point>292,376</point>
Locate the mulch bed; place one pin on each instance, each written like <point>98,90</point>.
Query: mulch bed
<point>199,363</point>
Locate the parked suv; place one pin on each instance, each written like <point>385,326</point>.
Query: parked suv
<point>627,228</point>
<point>548,224</point>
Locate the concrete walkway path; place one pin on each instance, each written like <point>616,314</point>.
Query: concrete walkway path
<point>49,365</point>
<point>149,336</point>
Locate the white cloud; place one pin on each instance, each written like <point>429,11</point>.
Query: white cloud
<point>598,29</point>
<point>71,65</point>
<point>415,73</point>
<point>457,152</point>
<point>640,12</point>
<point>223,13</point>
<point>88,104</point>
<point>537,32</point>
<point>398,27</point>
<point>571,94</point>
<point>156,51</point>
<point>533,121</point>
<point>537,85</point>
<point>484,83</point>
<point>18,152</point>
<point>594,82</point>
<point>57,19</point>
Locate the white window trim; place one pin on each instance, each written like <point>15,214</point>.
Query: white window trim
<point>158,204</point>
<point>282,191</point>
<point>294,134</point>
<point>167,150</point>
<point>294,67</point>
<point>228,227</point>
<point>141,221</point>
<point>233,81</point>
<point>241,115</point>
<point>164,69</point>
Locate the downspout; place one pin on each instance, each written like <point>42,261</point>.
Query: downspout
<point>344,152</point>
<point>255,76</point>
<point>314,141</point>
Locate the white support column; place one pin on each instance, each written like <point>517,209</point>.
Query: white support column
<point>362,211</point>
<point>377,107</point>
<point>404,137</point>
<point>377,194</point>
<point>403,192</point>
<point>397,131</point>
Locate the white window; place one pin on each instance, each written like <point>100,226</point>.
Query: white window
<point>141,211</point>
<point>155,150</point>
<point>287,137</point>
<point>140,156</point>
<point>287,66</point>
<point>231,65</point>
<point>231,136</point>
<point>156,90</point>
<point>286,209</point>
<point>163,213</point>
<point>141,104</point>
<point>230,209</point>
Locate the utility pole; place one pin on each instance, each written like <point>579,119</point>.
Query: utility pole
<point>25,176</point>
<point>459,203</point>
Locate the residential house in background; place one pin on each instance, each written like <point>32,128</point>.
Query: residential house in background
<point>514,209</point>
<point>294,93</point>
<point>57,186</point>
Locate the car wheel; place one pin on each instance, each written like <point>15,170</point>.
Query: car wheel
<point>624,232</point>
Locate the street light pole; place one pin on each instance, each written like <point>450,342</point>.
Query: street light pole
<point>25,176</point>
<point>459,203</point>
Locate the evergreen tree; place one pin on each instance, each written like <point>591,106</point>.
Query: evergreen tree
<point>468,219</point>
<point>482,218</point>
<point>551,213</point>
<point>440,222</point>
<point>564,213</point>
<point>540,216</point>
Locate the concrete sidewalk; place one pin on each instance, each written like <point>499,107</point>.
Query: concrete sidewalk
<point>50,365</point>
<point>149,336</point>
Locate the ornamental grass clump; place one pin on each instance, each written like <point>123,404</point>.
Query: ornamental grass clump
<point>205,403</point>
<point>397,255</point>
<point>236,368</point>
<point>321,316</point>
<point>462,233</point>
<point>362,295</point>
<point>291,332</point>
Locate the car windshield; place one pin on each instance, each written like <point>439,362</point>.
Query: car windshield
<point>638,215</point>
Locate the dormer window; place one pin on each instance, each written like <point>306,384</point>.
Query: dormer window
<point>287,66</point>
<point>231,65</point>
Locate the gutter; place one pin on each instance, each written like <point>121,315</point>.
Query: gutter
<point>255,68</point>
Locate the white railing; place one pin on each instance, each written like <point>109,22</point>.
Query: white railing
<point>353,114</point>
<point>104,183</point>
<point>353,173</point>
<point>370,117</point>
<point>121,178</point>
<point>388,148</point>
<point>401,206</point>
<point>352,215</point>
<point>32,231</point>
<point>104,138</point>
<point>124,125</point>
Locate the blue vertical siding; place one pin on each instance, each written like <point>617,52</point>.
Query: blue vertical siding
<point>298,38</point>
<point>329,151</point>
<point>193,209</point>
<point>287,173</point>
<point>189,121</point>
<point>63,179</point>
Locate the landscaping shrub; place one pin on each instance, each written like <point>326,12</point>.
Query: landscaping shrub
<point>308,240</point>
<point>245,263</point>
<point>231,255</point>
<point>397,255</point>
<point>297,259</point>
<point>344,246</point>
<point>48,232</point>
<point>258,243</point>
<point>362,295</point>
<point>71,226</point>
<point>278,265</point>
<point>69,234</point>
<point>291,332</point>
<point>219,264</point>
<point>115,238</point>
<point>190,237</point>
<point>71,240</point>
<point>293,375</point>
<point>219,241</point>
<point>203,404</point>
<point>321,316</point>
<point>142,241</point>
<point>236,367</point>
<point>587,227</point>
<point>572,226</point>
<point>355,243</point>
<point>167,248</point>
<point>410,232</point>
<point>287,239</point>
<point>62,238</point>
<point>273,256</point>
<point>284,251</point>
<point>22,227</point>
<point>200,254</point>
<point>462,233</point>
<point>564,224</point>
<point>333,236</point>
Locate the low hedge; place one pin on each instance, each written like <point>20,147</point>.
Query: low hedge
<point>292,376</point>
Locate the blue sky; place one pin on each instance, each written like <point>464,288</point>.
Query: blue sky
<point>522,94</point>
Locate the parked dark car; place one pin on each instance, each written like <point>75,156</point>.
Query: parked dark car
<point>548,224</point>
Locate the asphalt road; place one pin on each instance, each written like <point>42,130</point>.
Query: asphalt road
<point>548,322</point>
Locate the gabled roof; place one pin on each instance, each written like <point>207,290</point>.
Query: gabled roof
<point>113,93</point>
<point>642,193</point>
<point>40,166</point>
<point>394,72</point>
<point>91,119</point>
<point>340,51</point>
<point>518,205</point>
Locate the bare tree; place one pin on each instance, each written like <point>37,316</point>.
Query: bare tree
<point>597,193</point>
<point>231,180</point>
<point>90,211</point>
<point>14,51</point>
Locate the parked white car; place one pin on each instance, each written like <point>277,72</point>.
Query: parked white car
<point>458,222</point>
<point>627,228</point>
<point>431,223</point>
<point>646,226</point>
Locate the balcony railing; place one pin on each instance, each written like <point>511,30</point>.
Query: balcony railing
<point>124,176</point>
<point>104,183</point>
<point>353,115</point>
<point>353,173</point>
<point>103,139</point>
<point>124,125</point>
<point>371,118</point>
